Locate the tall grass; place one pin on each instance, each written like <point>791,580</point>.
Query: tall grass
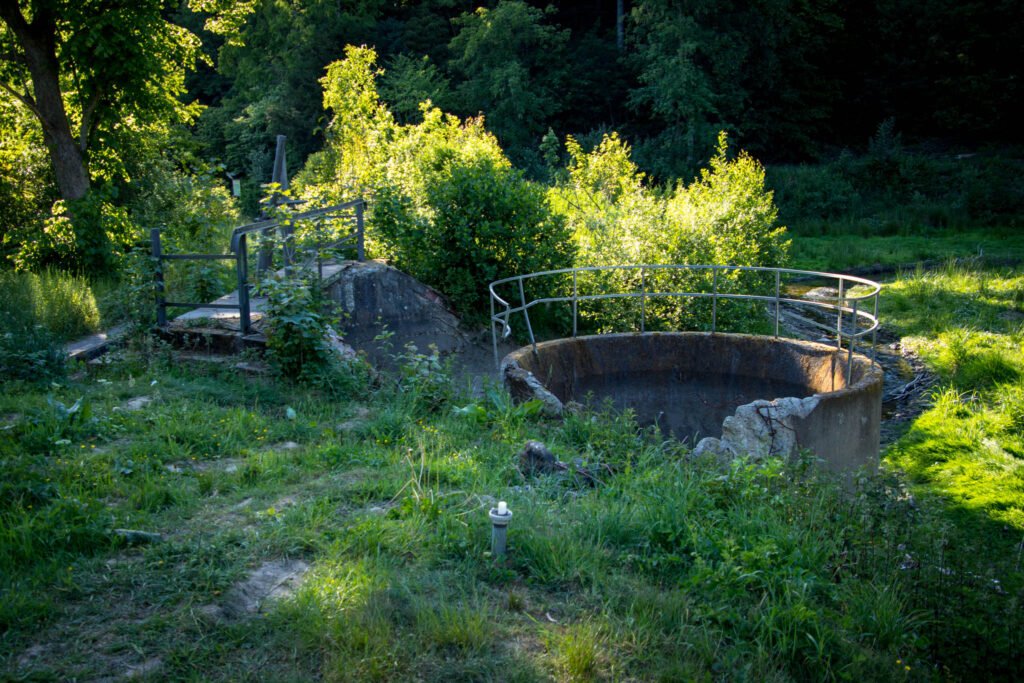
<point>61,303</point>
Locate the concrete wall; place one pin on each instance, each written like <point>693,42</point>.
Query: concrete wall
<point>718,390</point>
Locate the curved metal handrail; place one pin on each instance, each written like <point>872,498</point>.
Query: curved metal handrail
<point>859,324</point>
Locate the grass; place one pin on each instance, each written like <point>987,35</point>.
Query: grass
<point>967,324</point>
<point>833,253</point>
<point>63,304</point>
<point>672,568</point>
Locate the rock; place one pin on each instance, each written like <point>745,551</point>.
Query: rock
<point>377,511</point>
<point>138,403</point>
<point>523,386</point>
<point>145,669</point>
<point>822,294</point>
<point>135,536</point>
<point>268,582</point>
<point>759,429</point>
<point>374,296</point>
<point>344,352</point>
<point>537,458</point>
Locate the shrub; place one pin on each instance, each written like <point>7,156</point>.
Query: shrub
<point>295,327</point>
<point>725,217</point>
<point>448,206</point>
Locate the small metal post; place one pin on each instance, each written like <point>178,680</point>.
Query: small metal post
<point>360,248</point>
<point>574,303</point>
<point>500,517</point>
<point>776,304</point>
<point>526,314</point>
<point>158,277</point>
<point>242,270</point>
<point>839,315</point>
<point>643,299</point>
<point>853,339</point>
<point>714,299</point>
<point>319,261</point>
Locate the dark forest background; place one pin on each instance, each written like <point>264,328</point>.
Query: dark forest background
<point>791,80</point>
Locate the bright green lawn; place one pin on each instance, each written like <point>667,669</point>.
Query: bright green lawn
<point>968,325</point>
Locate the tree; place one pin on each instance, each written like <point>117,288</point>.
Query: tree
<point>91,70</point>
<point>511,64</point>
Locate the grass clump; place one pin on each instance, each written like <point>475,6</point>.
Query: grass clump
<point>63,304</point>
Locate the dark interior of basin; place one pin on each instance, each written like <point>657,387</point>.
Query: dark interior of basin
<point>686,383</point>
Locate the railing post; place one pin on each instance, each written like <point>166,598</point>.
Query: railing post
<point>853,339</point>
<point>643,299</point>
<point>242,268</point>
<point>360,249</point>
<point>494,336</point>
<point>777,304</point>
<point>158,277</point>
<point>574,302</point>
<point>839,315</point>
<point>714,299</point>
<point>874,332</point>
<point>526,314</point>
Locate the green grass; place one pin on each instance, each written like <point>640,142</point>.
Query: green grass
<point>833,253</point>
<point>968,325</point>
<point>673,568</point>
<point>63,304</point>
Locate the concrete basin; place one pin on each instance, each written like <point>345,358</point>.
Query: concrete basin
<point>734,395</point>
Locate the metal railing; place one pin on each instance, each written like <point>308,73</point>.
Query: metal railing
<point>860,310</point>
<point>240,255</point>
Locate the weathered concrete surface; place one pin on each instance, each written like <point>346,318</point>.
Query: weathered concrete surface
<point>698,385</point>
<point>372,295</point>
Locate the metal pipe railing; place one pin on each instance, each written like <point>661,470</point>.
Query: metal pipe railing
<point>860,323</point>
<point>239,254</point>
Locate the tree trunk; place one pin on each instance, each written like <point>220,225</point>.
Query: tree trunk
<point>619,38</point>
<point>39,41</point>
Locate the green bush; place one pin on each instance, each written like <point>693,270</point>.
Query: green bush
<point>725,217</point>
<point>295,327</point>
<point>448,207</point>
<point>486,222</point>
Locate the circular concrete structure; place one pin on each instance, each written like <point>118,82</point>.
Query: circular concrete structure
<point>732,394</point>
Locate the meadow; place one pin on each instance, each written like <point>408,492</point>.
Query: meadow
<point>360,506</point>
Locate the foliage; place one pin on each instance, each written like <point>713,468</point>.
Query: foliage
<point>122,68</point>
<point>896,190</point>
<point>725,217</point>
<point>271,70</point>
<point>26,180</point>
<point>508,64</point>
<point>295,325</point>
<point>757,69</point>
<point>195,214</point>
<point>408,82</point>
<point>448,206</point>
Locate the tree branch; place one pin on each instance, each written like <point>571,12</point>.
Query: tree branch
<point>25,98</point>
